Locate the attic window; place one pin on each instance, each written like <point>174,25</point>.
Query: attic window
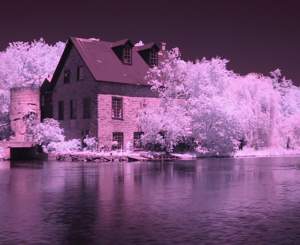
<point>123,49</point>
<point>149,53</point>
<point>153,58</point>
<point>67,75</point>
<point>80,73</point>
<point>127,55</point>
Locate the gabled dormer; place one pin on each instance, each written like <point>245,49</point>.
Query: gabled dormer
<point>123,49</point>
<point>149,53</point>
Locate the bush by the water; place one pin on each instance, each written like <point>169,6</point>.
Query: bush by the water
<point>51,137</point>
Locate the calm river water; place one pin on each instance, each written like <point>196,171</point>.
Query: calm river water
<point>213,201</point>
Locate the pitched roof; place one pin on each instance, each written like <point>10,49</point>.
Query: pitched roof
<point>121,42</point>
<point>148,46</point>
<point>103,62</point>
<point>46,85</point>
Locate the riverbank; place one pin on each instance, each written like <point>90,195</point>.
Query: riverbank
<point>117,156</point>
<point>129,156</point>
<point>107,156</point>
<point>124,156</point>
<point>267,152</point>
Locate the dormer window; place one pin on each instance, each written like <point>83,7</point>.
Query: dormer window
<point>153,58</point>
<point>127,55</point>
<point>123,49</point>
<point>80,73</point>
<point>149,52</point>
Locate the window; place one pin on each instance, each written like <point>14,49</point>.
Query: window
<point>80,73</point>
<point>117,108</point>
<point>61,110</point>
<point>118,140</point>
<point>73,109</point>
<point>42,100</point>
<point>137,142</point>
<point>86,107</point>
<point>85,133</point>
<point>67,76</point>
<point>153,58</point>
<point>127,55</point>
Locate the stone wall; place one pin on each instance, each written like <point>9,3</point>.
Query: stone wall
<point>129,124</point>
<point>22,102</point>
<point>4,150</point>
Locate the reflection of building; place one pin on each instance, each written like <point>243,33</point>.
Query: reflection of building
<point>99,87</point>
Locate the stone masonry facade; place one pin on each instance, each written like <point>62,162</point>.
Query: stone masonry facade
<point>128,125</point>
<point>68,98</point>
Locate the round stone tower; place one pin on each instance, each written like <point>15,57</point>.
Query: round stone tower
<point>24,102</point>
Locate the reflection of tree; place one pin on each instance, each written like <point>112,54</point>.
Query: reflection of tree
<point>70,210</point>
<point>90,203</point>
<point>81,212</point>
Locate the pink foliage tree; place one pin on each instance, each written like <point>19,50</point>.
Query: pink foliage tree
<point>219,109</point>
<point>24,64</point>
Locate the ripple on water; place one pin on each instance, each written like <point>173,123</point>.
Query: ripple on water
<point>210,201</point>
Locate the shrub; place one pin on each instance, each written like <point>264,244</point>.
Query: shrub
<point>90,143</point>
<point>64,146</point>
<point>48,132</point>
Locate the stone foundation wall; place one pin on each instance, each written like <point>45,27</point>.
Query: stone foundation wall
<point>129,124</point>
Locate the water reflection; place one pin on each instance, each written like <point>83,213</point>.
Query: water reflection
<point>223,201</point>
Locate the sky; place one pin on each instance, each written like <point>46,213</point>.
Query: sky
<point>256,36</point>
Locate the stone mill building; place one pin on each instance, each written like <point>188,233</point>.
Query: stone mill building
<point>98,88</point>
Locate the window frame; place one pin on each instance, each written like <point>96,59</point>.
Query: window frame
<point>153,57</point>
<point>43,100</point>
<point>80,73</point>
<point>114,108</point>
<point>85,133</point>
<point>127,55</point>
<point>73,109</point>
<point>137,143</point>
<point>67,76</point>
<point>119,137</point>
<point>86,108</point>
<point>61,110</point>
